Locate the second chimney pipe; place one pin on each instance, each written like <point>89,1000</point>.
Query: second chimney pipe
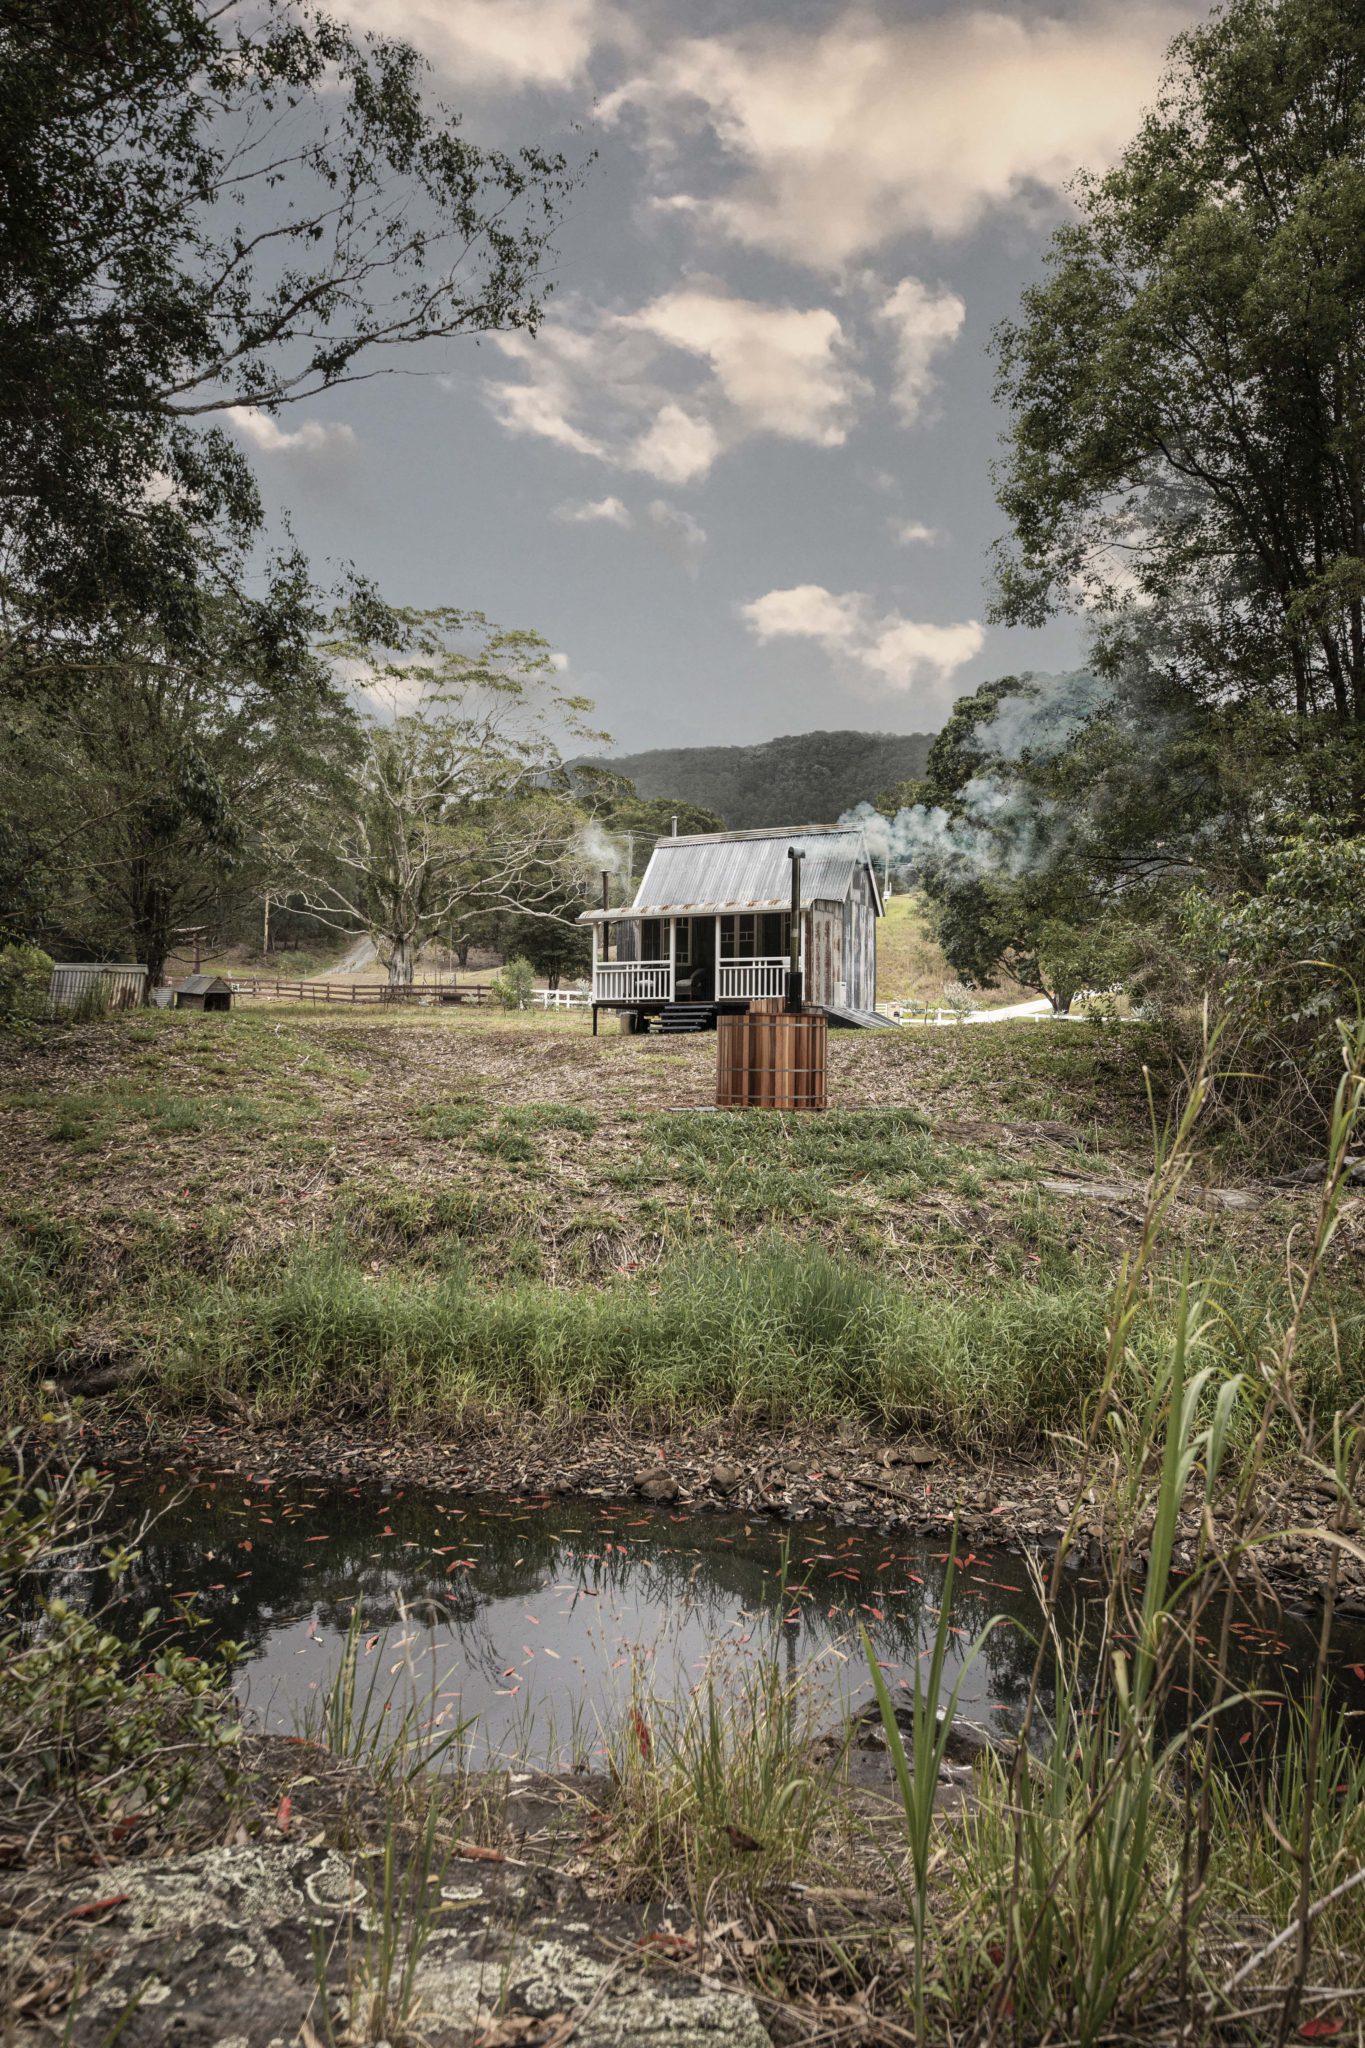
<point>795,993</point>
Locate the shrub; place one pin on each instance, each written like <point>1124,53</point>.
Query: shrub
<point>514,985</point>
<point>1291,961</point>
<point>91,1727</point>
<point>25,977</point>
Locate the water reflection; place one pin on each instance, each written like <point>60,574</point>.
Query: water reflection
<point>529,1616</point>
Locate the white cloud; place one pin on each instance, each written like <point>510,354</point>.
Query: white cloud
<point>506,43</point>
<point>681,534</point>
<point>582,512</point>
<point>677,447</point>
<point>667,389</point>
<point>845,136</point>
<point>913,533</point>
<point>559,661</point>
<point>313,437</point>
<point>878,653</point>
<point>784,371</point>
<point>924,323</point>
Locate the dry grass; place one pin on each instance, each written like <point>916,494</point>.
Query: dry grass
<point>547,1152</point>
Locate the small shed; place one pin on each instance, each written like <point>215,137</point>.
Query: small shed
<point>91,986</point>
<point>204,992</point>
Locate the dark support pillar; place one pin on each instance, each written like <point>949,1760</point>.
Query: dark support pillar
<point>604,943</point>
<point>795,993</point>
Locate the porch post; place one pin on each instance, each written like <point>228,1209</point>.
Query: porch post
<point>716,972</point>
<point>672,957</point>
<point>594,963</point>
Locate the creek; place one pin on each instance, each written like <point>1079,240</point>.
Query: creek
<point>529,1620</point>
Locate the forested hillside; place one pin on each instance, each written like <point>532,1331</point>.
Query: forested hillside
<point>801,778</point>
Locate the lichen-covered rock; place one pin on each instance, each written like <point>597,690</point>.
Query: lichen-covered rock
<point>222,1949</point>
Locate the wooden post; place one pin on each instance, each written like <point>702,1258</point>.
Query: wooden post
<point>672,957</point>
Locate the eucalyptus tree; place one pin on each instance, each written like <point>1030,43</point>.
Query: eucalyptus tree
<point>459,805</point>
<point>208,204</point>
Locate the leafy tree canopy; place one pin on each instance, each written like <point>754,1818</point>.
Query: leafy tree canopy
<point>1188,384</point>
<point>207,204</point>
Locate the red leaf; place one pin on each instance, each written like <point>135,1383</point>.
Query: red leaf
<point>282,1814</point>
<point>95,1906</point>
<point>1320,2030</point>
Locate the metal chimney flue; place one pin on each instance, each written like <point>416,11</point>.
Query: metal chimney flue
<point>795,991</point>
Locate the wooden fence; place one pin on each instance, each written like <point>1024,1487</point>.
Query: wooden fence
<point>356,991</point>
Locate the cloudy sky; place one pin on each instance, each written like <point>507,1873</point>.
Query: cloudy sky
<point>740,480</point>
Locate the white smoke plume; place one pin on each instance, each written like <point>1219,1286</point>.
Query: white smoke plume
<point>598,851</point>
<point>1043,718</point>
<point>1000,827</point>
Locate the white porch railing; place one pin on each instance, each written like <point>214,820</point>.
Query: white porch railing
<point>737,980</point>
<point>633,981</point>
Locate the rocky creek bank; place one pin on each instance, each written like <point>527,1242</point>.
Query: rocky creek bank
<point>855,1473</point>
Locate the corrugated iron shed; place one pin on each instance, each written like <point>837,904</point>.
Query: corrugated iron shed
<point>714,872</point>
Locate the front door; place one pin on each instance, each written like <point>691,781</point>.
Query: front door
<point>703,960</point>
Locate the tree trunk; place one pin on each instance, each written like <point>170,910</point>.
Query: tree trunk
<point>401,964</point>
<point>151,927</point>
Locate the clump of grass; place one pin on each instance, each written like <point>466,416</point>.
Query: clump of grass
<point>784,1333</point>
<point>720,1795</point>
<point>448,1120</point>
<point>378,2000</point>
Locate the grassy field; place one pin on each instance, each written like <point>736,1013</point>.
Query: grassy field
<point>910,964</point>
<point>427,1212</point>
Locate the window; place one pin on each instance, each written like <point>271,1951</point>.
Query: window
<point>651,940</point>
<point>684,942</point>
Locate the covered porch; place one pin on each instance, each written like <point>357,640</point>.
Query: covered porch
<point>706,955</point>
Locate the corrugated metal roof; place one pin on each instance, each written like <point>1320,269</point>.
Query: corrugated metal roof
<point>750,871</point>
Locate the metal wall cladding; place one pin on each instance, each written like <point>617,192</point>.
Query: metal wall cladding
<point>749,873</point>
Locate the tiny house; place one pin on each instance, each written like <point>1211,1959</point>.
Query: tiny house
<point>710,928</point>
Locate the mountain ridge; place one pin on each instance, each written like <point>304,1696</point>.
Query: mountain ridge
<point>805,778</point>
